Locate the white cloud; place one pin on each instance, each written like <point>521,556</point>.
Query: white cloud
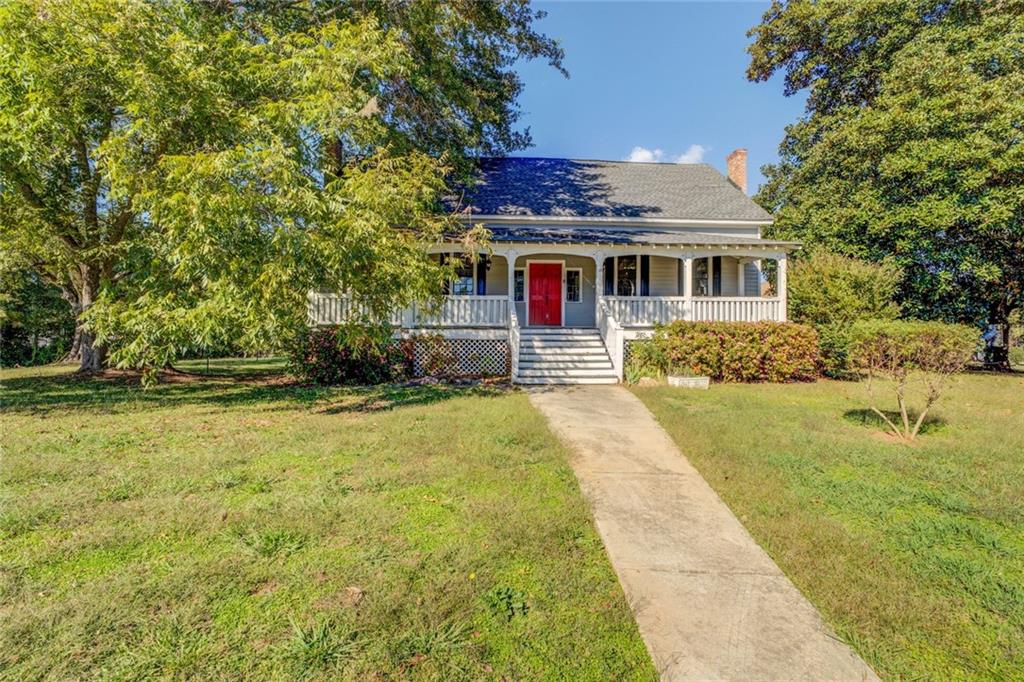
<point>693,154</point>
<point>644,155</point>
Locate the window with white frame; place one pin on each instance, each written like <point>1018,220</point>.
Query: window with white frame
<point>519,284</point>
<point>574,285</point>
<point>464,283</point>
<point>626,276</point>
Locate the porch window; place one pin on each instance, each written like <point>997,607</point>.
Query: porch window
<point>700,277</point>
<point>574,285</point>
<point>464,283</point>
<point>625,276</point>
<point>519,285</point>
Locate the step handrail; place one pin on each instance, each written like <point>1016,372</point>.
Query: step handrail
<point>513,339</point>
<point>611,334</point>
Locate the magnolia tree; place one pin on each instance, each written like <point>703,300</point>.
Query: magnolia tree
<point>187,172</point>
<point>917,358</point>
<point>909,151</point>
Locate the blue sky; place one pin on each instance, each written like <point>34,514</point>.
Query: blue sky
<point>665,77</point>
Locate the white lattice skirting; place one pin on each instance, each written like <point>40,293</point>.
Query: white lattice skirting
<point>436,355</point>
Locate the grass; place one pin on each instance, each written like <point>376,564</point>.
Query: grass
<point>914,554</point>
<point>229,529</point>
<point>253,368</point>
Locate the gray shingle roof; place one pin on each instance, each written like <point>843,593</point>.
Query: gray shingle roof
<point>558,234</point>
<point>514,186</point>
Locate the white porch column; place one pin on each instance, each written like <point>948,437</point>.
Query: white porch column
<point>510,257</point>
<point>741,263</point>
<point>711,275</point>
<point>598,282</point>
<point>780,283</point>
<point>639,273</point>
<point>688,287</point>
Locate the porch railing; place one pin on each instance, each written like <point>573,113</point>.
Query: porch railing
<point>329,309</point>
<point>646,311</point>
<point>612,335</point>
<point>736,309</point>
<point>465,311</point>
<point>493,311</point>
<point>454,311</point>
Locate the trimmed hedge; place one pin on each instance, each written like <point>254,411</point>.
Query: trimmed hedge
<point>336,356</point>
<point>734,351</point>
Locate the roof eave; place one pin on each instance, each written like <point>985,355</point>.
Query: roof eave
<point>613,220</point>
<point>724,245</point>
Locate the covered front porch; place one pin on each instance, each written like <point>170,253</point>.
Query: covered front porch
<point>637,288</point>
<point>565,289</point>
<point>582,295</point>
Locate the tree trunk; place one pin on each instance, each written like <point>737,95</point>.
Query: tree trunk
<point>90,355</point>
<point>93,355</point>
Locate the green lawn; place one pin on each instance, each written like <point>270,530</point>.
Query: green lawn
<point>236,367</point>
<point>915,555</point>
<point>225,529</point>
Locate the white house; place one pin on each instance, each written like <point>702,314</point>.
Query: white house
<point>587,255</point>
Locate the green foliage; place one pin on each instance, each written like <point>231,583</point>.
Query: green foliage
<point>271,543</point>
<point>646,359</point>
<point>902,351</point>
<point>320,646</point>
<point>831,291</point>
<point>826,288</point>
<point>834,341</point>
<point>36,324</point>
<point>732,351</point>
<point>507,603</point>
<point>188,171</point>
<point>350,355</point>
<point>911,345</point>
<point>461,93</point>
<point>910,148</point>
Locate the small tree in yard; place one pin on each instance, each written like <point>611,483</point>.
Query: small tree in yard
<point>909,353</point>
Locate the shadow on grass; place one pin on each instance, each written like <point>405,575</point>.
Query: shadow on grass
<point>239,368</point>
<point>866,417</point>
<point>39,395</point>
<point>380,398</point>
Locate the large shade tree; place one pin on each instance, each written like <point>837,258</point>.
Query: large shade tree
<point>185,172</point>
<point>911,146</point>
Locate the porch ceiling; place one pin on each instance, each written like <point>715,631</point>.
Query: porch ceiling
<point>623,237</point>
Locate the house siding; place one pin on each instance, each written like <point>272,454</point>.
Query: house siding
<point>497,277</point>
<point>664,276</point>
<point>751,280</point>
<point>730,286</point>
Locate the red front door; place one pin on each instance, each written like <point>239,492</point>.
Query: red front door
<point>545,293</point>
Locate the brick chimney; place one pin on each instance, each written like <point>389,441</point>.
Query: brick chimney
<point>736,163</point>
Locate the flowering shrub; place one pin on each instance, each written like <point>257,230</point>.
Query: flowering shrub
<point>357,356</point>
<point>736,351</point>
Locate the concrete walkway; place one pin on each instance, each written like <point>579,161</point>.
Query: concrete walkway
<point>710,603</point>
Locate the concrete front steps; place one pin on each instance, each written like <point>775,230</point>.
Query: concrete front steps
<point>563,355</point>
